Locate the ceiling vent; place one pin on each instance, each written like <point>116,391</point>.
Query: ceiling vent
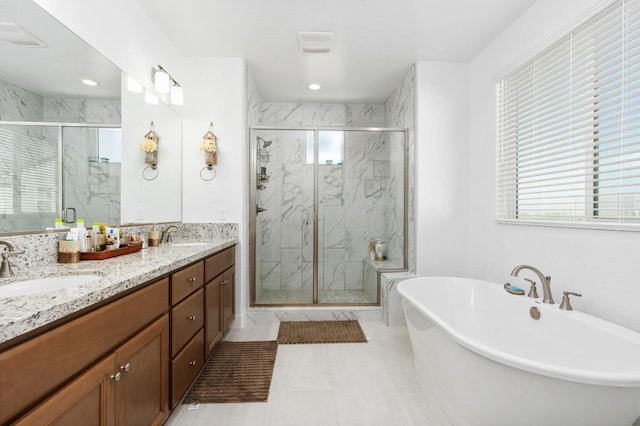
<point>15,34</point>
<point>315,42</point>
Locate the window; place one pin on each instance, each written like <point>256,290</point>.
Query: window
<point>568,127</point>
<point>330,147</point>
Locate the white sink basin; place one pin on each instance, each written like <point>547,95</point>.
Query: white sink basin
<point>45,285</point>
<point>188,244</point>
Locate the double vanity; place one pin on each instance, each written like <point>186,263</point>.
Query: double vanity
<point>122,348</point>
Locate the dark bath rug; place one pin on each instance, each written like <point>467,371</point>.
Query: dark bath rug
<point>297,332</point>
<point>237,372</point>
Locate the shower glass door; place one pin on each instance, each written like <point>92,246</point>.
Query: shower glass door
<point>320,198</point>
<point>284,225</point>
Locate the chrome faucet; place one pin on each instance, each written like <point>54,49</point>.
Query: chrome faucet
<point>166,234</point>
<point>547,297</point>
<point>5,266</point>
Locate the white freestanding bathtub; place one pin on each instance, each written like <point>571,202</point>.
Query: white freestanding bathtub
<point>486,361</point>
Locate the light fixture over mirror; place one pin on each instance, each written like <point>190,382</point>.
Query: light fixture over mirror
<point>164,83</point>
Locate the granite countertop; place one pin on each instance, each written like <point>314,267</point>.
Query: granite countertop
<point>19,315</point>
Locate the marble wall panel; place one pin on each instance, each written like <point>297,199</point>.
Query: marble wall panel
<point>356,240</point>
<point>353,278</point>
<point>270,275</point>
<point>334,269</point>
<point>72,110</point>
<point>353,197</point>
<point>291,269</point>
<point>400,113</point>
<point>334,227</point>
<point>18,104</point>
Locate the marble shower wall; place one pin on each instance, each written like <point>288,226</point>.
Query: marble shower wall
<point>354,198</point>
<point>92,188</point>
<point>400,111</point>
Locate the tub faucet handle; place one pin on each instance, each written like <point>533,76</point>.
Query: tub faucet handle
<point>566,304</point>
<point>533,291</point>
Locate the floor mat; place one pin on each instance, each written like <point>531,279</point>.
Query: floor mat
<point>237,372</point>
<point>300,332</point>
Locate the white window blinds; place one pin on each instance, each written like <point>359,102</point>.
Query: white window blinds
<point>568,126</point>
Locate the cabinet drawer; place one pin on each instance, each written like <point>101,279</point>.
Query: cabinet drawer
<point>216,264</point>
<point>186,366</point>
<point>54,357</point>
<point>186,318</point>
<point>186,281</point>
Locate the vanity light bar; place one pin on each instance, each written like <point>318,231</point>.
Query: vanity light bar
<point>165,83</point>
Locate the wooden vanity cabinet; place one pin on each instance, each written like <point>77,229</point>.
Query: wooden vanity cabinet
<point>219,296</point>
<point>122,363</point>
<point>187,334</point>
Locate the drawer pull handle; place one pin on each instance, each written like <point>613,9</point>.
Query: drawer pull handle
<point>192,362</point>
<point>115,377</point>
<point>125,367</point>
<point>192,279</point>
<point>192,318</point>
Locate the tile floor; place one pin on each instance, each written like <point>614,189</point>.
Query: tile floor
<point>347,384</point>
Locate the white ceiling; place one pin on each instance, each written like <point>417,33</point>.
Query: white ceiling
<point>58,69</point>
<point>375,41</point>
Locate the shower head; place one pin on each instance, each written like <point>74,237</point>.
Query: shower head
<point>264,143</point>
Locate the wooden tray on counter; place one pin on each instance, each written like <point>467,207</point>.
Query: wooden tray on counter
<point>106,254</point>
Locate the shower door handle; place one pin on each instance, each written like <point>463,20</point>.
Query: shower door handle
<point>260,209</point>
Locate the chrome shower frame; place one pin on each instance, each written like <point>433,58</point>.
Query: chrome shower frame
<point>253,156</point>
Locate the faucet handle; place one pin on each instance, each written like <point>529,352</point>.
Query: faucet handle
<point>566,304</point>
<point>533,291</point>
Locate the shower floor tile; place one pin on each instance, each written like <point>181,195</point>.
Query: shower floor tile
<point>331,385</point>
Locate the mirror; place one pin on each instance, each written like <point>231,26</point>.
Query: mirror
<point>59,138</point>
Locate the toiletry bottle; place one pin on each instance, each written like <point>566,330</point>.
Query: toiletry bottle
<point>114,237</point>
<point>58,223</point>
<point>82,235</point>
<point>372,250</point>
<point>95,228</point>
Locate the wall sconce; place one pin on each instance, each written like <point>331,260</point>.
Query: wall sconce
<point>150,147</point>
<point>209,146</point>
<point>165,83</point>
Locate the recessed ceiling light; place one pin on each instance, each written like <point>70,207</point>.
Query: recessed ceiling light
<point>89,82</point>
<point>314,86</point>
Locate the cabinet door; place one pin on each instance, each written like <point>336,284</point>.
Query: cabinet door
<point>88,400</point>
<point>213,314</point>
<point>229,302</point>
<point>142,396</point>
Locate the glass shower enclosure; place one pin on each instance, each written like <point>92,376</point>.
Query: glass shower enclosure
<point>319,197</point>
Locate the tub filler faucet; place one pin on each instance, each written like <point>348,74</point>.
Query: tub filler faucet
<point>547,297</point>
<point>5,266</point>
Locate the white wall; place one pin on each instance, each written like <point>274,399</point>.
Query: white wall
<point>441,168</point>
<point>122,32</point>
<point>156,200</point>
<point>214,91</point>
<point>602,265</point>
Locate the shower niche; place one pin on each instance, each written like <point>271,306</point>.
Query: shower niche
<point>320,197</point>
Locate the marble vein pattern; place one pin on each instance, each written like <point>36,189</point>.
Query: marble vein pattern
<point>18,104</point>
<point>29,154</point>
<point>401,113</point>
<point>23,314</point>
<point>359,200</point>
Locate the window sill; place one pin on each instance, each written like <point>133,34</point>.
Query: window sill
<point>608,226</point>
